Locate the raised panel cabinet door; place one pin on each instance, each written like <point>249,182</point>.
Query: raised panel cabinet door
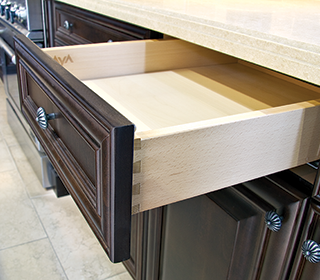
<point>134,263</point>
<point>288,198</point>
<point>212,237</point>
<point>88,142</point>
<point>302,268</point>
<point>224,235</point>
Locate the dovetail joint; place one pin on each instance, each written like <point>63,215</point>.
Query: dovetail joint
<point>137,144</point>
<point>136,189</point>
<point>137,167</point>
<point>135,209</point>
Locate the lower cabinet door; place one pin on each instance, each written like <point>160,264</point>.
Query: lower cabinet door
<point>308,268</point>
<point>223,235</point>
<point>134,263</point>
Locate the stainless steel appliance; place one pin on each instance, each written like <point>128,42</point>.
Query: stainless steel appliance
<point>23,17</point>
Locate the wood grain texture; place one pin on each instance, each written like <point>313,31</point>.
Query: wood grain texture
<point>126,58</point>
<point>197,113</point>
<point>190,160</point>
<point>170,98</point>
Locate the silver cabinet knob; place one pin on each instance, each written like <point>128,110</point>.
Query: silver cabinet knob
<point>311,251</point>
<point>273,221</point>
<point>67,25</point>
<point>43,118</point>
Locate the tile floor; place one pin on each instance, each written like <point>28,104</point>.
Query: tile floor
<point>42,237</point>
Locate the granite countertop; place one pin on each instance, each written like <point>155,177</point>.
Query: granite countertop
<point>283,35</point>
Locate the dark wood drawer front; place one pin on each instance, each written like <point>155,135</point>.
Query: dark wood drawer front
<point>85,27</point>
<point>89,144</point>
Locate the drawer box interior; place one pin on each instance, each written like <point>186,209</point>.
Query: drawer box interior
<point>204,120</point>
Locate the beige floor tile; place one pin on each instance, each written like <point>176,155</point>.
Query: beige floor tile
<point>31,261</point>
<point>79,252</point>
<point>31,181</point>
<point>18,219</point>
<point>6,130</point>
<point>123,276</point>
<point>8,135</point>
<point>6,161</point>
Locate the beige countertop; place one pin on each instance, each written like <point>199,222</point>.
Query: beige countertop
<point>283,35</point>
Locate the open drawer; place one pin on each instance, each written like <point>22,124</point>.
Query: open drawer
<point>143,124</point>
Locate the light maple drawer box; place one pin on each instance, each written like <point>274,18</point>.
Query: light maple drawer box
<point>138,125</point>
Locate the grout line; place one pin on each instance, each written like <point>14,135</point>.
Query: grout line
<point>110,277</point>
<point>65,274</point>
<point>33,206</point>
<point>21,244</point>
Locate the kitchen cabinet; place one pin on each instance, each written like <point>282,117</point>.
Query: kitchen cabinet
<point>107,161</point>
<point>173,121</point>
<point>223,235</point>
<point>69,25</point>
<point>303,269</point>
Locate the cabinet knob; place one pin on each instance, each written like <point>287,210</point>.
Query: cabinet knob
<point>43,118</point>
<point>67,25</point>
<point>273,221</point>
<point>311,251</point>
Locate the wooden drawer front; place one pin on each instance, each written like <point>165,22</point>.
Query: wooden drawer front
<point>92,28</point>
<point>303,269</point>
<point>91,148</point>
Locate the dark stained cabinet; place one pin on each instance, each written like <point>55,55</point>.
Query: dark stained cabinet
<point>224,235</point>
<point>302,268</point>
<point>73,26</point>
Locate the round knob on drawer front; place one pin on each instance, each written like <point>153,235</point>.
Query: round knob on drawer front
<point>67,25</point>
<point>311,251</point>
<point>273,221</point>
<point>43,118</point>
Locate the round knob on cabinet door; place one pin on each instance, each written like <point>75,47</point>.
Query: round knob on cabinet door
<point>43,118</point>
<point>67,25</point>
<point>273,221</point>
<point>311,251</point>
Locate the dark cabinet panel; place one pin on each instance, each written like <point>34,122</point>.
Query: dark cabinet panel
<point>89,144</point>
<point>145,245</point>
<point>288,198</point>
<point>75,26</point>
<point>205,241</point>
<point>224,236</point>
<point>135,262</point>
<point>303,269</point>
